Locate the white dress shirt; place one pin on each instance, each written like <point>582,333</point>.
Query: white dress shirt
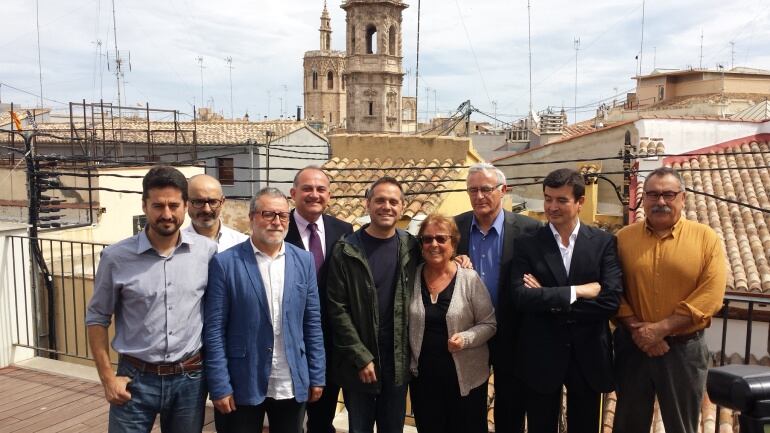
<point>272,270</point>
<point>304,232</point>
<point>566,253</point>
<point>226,237</point>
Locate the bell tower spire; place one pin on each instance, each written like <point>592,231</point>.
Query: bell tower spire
<point>325,30</point>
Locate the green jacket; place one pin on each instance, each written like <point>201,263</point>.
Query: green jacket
<point>353,312</point>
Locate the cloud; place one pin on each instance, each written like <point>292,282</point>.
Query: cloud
<point>475,50</point>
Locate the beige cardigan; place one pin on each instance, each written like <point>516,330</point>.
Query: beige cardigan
<point>471,314</point>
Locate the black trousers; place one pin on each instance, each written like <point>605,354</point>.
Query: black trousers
<point>509,403</point>
<point>439,407</point>
<point>320,414</point>
<point>285,416</point>
<point>583,405</point>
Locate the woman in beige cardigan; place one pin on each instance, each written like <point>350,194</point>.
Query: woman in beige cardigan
<point>450,320</point>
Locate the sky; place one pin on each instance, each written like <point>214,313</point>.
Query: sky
<point>473,50</point>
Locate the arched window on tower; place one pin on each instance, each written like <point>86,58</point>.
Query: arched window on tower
<point>344,80</point>
<point>371,39</point>
<point>328,41</point>
<point>392,41</point>
<point>315,80</point>
<point>330,80</point>
<point>352,39</point>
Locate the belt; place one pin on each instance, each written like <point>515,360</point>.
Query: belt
<point>190,364</point>
<point>681,339</point>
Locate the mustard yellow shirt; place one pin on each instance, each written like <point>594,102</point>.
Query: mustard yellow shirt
<point>683,273</point>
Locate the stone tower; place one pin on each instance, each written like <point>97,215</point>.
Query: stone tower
<point>374,72</point>
<point>324,79</point>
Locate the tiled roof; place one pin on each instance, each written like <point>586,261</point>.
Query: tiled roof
<point>743,230</point>
<point>5,116</point>
<point>425,183</point>
<point>227,132</point>
<point>650,147</point>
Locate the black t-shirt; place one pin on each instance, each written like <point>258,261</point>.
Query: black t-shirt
<point>382,255</point>
<point>435,358</point>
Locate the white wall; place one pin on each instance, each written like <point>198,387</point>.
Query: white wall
<point>736,337</point>
<point>681,136</point>
<point>12,296</point>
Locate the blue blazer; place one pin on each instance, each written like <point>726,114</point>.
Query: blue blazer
<point>238,333</point>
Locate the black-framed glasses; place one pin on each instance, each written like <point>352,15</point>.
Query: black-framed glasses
<point>655,195</point>
<point>485,190</point>
<point>441,239</point>
<point>200,203</point>
<point>269,215</point>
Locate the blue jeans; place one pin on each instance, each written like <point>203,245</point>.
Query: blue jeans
<point>179,399</point>
<point>387,409</point>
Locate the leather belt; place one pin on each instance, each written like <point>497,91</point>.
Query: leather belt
<point>681,339</point>
<point>190,364</point>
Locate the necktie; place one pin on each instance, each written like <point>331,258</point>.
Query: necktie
<point>314,245</point>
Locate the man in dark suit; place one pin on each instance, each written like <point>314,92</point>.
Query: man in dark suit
<point>262,326</point>
<point>486,236</point>
<point>567,284</point>
<point>313,231</point>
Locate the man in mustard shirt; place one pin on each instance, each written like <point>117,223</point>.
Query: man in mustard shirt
<point>675,276</point>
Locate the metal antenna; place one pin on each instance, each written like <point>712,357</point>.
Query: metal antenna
<point>229,61</point>
<point>199,59</point>
<point>577,48</point>
<point>529,44</point>
<point>39,62</point>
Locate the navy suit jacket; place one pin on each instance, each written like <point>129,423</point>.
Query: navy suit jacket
<point>550,327</point>
<point>238,333</point>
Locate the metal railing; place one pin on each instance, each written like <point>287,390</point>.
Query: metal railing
<point>52,283</point>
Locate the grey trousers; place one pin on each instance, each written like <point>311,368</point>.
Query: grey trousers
<point>677,379</point>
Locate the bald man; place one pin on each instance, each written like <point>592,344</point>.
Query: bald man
<point>204,207</point>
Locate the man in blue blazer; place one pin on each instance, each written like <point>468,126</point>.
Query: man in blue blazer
<point>262,326</point>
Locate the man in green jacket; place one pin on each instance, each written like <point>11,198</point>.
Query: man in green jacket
<point>370,278</point>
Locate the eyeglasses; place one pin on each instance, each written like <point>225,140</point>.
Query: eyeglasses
<point>441,239</point>
<point>200,203</point>
<point>655,196</point>
<point>269,215</point>
<point>485,190</point>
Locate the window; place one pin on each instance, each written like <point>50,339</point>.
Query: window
<point>315,80</point>
<point>371,108</point>
<point>344,80</point>
<point>392,41</point>
<point>371,39</point>
<point>353,40</point>
<point>225,171</point>
<point>330,80</point>
<point>139,222</point>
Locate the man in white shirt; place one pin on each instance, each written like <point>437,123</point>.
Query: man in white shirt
<point>567,284</point>
<point>205,204</point>
<point>262,326</point>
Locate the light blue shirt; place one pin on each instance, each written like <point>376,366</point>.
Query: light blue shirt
<point>156,300</point>
<point>486,250</point>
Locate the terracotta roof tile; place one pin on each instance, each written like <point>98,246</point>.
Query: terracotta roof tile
<point>218,132</point>
<point>424,181</point>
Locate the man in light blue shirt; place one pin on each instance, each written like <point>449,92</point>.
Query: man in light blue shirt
<point>153,283</point>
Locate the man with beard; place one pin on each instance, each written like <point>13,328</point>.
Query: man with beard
<point>314,231</point>
<point>153,283</point>
<point>370,281</point>
<point>264,347</point>
<point>205,203</point>
<point>675,276</point>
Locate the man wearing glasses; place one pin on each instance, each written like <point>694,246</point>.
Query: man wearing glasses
<point>486,235</point>
<point>262,326</point>
<point>205,205</point>
<point>675,276</point>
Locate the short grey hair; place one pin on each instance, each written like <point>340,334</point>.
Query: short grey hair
<point>268,191</point>
<point>486,167</point>
<point>662,172</point>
